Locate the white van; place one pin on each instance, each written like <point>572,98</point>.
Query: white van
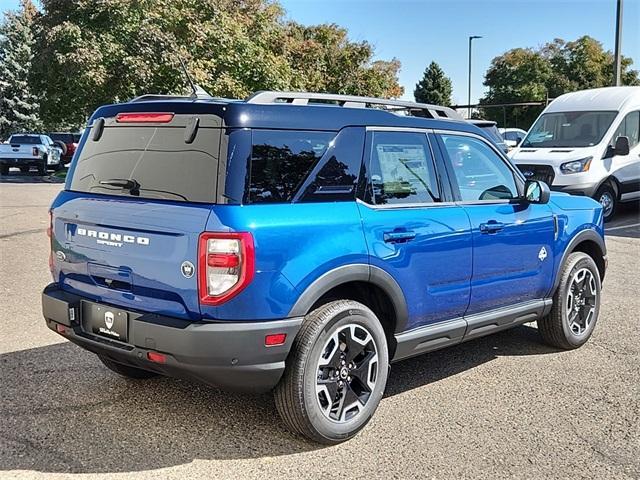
<point>587,143</point>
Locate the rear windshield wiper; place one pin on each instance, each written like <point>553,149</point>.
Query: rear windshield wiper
<point>129,184</point>
<point>124,183</point>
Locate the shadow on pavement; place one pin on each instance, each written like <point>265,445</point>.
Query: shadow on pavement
<point>62,411</point>
<point>16,176</point>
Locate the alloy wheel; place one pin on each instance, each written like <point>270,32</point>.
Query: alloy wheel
<point>347,371</point>
<point>581,301</point>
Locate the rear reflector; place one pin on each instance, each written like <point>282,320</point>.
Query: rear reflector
<point>157,357</point>
<point>275,339</point>
<point>143,117</point>
<point>61,328</point>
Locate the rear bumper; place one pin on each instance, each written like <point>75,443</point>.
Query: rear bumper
<point>20,162</point>
<point>584,189</point>
<point>229,355</point>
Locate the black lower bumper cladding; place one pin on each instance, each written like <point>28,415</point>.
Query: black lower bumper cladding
<point>228,354</point>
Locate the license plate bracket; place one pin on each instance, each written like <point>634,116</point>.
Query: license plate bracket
<point>105,321</point>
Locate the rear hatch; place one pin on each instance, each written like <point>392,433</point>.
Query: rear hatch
<point>126,228</point>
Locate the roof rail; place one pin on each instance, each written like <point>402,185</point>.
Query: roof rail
<point>352,101</point>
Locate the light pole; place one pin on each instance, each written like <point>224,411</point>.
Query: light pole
<point>471,38</point>
<point>617,56</point>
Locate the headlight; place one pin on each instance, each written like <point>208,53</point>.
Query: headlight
<point>576,166</point>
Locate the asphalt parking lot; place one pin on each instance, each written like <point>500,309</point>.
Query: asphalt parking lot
<point>501,406</point>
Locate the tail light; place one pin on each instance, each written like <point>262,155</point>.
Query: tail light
<point>35,152</point>
<point>226,264</point>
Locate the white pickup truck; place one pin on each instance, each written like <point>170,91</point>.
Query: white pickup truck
<point>24,151</point>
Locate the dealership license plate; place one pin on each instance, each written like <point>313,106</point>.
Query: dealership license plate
<point>105,321</point>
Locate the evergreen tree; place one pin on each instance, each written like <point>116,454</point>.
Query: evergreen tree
<point>435,87</point>
<point>18,104</point>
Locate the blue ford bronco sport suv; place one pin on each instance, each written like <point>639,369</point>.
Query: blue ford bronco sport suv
<point>303,242</point>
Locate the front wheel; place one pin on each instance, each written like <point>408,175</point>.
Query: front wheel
<point>607,197</point>
<point>576,304</point>
<point>336,373</point>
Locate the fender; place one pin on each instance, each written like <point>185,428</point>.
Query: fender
<point>580,237</point>
<point>354,273</point>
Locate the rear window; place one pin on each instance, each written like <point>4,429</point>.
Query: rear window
<point>281,160</point>
<point>150,162</point>
<point>25,140</point>
<point>65,137</point>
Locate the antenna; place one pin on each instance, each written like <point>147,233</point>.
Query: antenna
<point>194,89</point>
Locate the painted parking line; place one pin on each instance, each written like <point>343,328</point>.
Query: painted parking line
<point>622,226</point>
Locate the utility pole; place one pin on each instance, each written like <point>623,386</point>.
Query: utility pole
<point>473,37</point>
<point>617,63</point>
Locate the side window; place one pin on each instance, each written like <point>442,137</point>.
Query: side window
<point>281,160</point>
<point>480,173</point>
<point>335,177</point>
<point>629,127</point>
<point>402,169</point>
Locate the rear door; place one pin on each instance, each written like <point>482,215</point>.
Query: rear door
<point>411,231</point>
<point>126,228</point>
<point>512,240</point>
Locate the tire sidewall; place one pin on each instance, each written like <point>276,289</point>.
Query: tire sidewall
<point>325,427</point>
<point>583,261</point>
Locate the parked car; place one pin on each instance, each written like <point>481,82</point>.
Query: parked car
<point>491,129</point>
<point>68,142</point>
<point>587,143</point>
<point>29,150</point>
<point>512,136</point>
<point>274,243</point>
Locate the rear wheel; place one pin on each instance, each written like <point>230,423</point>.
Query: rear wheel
<point>336,373</point>
<point>126,370</point>
<point>42,167</point>
<point>576,304</point>
<point>607,197</point>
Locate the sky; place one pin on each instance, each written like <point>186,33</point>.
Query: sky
<point>419,31</point>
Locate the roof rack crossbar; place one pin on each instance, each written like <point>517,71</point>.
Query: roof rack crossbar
<point>353,101</point>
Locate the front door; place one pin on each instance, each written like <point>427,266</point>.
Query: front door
<point>411,233</point>
<point>512,240</point>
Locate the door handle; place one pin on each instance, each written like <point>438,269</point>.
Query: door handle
<point>399,236</point>
<point>491,227</point>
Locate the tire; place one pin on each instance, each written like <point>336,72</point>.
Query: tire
<point>42,168</point>
<point>556,328</point>
<point>4,170</point>
<point>25,169</point>
<point>303,403</point>
<point>61,145</point>
<point>126,370</point>
<point>607,197</point>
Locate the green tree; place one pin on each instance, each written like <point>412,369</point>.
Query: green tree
<point>435,87</point>
<point>558,67</point>
<point>91,53</point>
<point>18,103</point>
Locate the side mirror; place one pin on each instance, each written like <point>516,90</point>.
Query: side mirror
<point>622,146</point>
<point>536,192</point>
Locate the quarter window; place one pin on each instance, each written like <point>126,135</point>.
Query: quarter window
<point>402,169</point>
<point>281,160</point>
<point>480,173</point>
